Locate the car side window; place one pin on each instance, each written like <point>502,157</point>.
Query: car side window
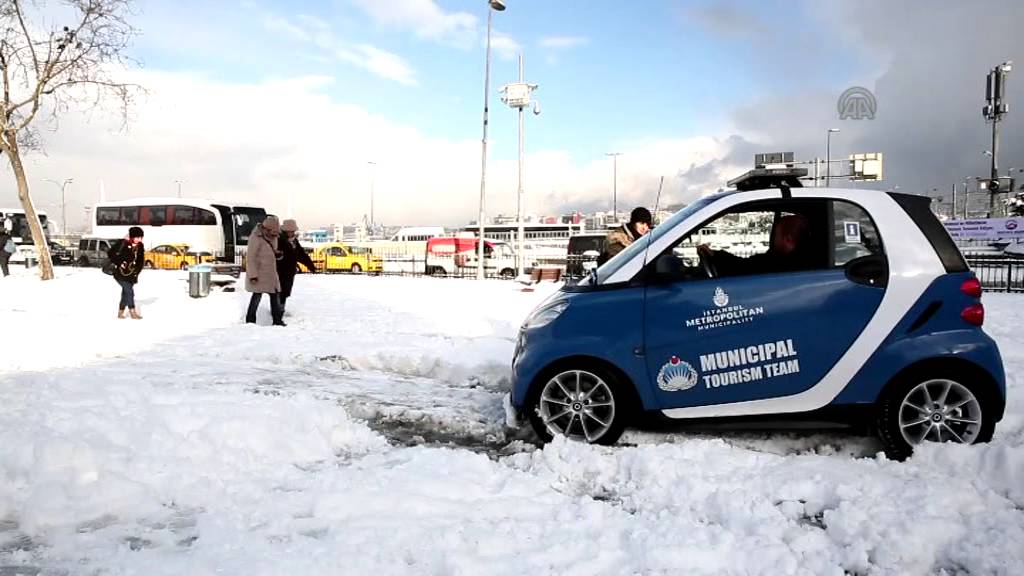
<point>763,237</point>
<point>854,233</point>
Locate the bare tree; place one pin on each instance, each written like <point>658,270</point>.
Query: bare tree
<point>51,68</point>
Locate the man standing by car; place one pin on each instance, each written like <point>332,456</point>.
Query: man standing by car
<point>292,254</point>
<point>639,224</point>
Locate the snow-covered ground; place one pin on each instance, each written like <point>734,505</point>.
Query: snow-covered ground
<point>367,437</point>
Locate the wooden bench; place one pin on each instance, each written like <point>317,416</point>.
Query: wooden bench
<point>538,275</point>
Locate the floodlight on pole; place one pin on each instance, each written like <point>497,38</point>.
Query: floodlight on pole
<point>517,95</point>
<point>178,182</point>
<point>828,155</point>
<point>492,6</point>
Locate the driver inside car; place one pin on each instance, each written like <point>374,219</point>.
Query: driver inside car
<point>789,251</point>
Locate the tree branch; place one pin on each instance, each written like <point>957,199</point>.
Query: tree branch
<point>28,37</point>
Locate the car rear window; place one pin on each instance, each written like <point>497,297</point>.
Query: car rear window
<point>918,208</point>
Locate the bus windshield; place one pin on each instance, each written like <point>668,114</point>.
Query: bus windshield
<point>245,220</point>
<point>18,224</point>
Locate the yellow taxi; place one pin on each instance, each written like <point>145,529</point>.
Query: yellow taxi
<point>339,257</point>
<point>175,257</point>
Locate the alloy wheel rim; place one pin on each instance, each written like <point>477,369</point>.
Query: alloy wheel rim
<point>577,404</point>
<point>940,410</point>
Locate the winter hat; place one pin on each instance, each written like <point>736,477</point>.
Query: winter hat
<point>640,214</point>
<point>135,232</point>
<point>272,225</point>
<point>289,225</point>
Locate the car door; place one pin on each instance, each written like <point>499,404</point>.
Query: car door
<point>769,333</point>
<point>335,258</point>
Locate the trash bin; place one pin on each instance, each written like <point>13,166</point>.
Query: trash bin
<point>30,261</point>
<point>199,281</point>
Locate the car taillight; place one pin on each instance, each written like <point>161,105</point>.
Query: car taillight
<point>974,314</point>
<point>971,287</point>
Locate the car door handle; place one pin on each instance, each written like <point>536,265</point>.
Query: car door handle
<point>870,270</point>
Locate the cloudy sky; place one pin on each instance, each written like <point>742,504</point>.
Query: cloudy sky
<point>283,104</point>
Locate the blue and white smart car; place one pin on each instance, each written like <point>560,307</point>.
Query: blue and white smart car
<point>877,323</point>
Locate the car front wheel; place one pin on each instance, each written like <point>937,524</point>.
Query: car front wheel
<point>356,269</point>
<point>583,404</point>
<point>939,409</point>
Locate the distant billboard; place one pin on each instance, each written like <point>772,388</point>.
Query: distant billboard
<point>986,228</point>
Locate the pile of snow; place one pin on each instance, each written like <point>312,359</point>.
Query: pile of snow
<point>368,437</point>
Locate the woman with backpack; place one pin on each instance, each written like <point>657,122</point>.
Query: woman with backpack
<point>127,258</point>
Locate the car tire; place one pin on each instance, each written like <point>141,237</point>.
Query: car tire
<point>943,407</point>
<point>184,266</point>
<point>83,262</point>
<point>147,265</point>
<point>508,274</point>
<point>356,269</point>
<point>582,402</point>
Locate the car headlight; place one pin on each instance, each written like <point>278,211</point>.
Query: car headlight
<point>545,315</point>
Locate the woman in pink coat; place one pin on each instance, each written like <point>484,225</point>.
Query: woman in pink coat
<point>261,269</point>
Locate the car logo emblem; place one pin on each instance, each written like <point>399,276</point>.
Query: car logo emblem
<point>677,375</point>
<point>721,298</point>
<point>1011,224</point>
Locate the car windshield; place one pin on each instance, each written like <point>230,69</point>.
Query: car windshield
<point>610,267</point>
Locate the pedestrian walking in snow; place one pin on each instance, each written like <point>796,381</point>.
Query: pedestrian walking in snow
<point>261,269</point>
<point>127,258</point>
<point>7,248</point>
<point>292,254</point>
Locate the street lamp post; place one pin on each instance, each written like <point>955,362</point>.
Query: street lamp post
<point>178,182</point>
<point>828,155</point>
<point>372,165</point>
<point>492,6</point>
<point>615,184</point>
<point>63,203</point>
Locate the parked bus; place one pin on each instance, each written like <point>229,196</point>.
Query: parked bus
<point>204,226</point>
<point>14,219</point>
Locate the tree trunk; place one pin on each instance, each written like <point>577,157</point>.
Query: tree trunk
<point>38,238</point>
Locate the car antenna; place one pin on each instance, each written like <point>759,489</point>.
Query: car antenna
<point>657,201</point>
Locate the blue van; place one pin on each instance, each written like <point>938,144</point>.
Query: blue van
<point>829,305</point>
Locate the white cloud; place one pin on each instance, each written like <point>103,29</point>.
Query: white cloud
<point>380,62</point>
<point>284,142</point>
<point>425,19</point>
<point>560,42</point>
<point>318,33</point>
<point>504,45</point>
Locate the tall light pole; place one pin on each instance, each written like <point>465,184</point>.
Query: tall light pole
<point>615,184</point>
<point>178,182</point>
<point>492,6</point>
<point>63,203</point>
<point>517,95</point>
<point>994,110</point>
<point>828,156</point>
<point>372,165</point>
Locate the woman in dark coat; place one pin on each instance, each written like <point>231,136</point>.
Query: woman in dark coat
<point>128,257</point>
<point>292,254</point>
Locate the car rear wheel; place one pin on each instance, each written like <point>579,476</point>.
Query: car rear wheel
<point>508,274</point>
<point>584,404</point>
<point>933,409</point>
<point>148,265</point>
<point>356,269</point>
<point>184,266</point>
